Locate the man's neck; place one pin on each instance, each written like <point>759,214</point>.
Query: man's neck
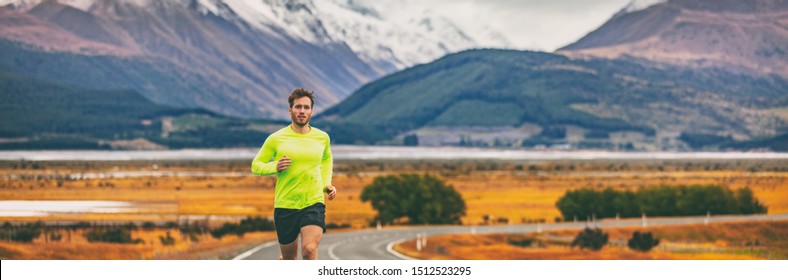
<point>300,129</point>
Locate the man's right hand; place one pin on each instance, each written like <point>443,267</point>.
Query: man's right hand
<point>283,164</point>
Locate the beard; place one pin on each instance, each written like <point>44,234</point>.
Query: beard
<point>301,122</point>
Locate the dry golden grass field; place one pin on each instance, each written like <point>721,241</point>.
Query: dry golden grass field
<point>217,191</point>
<point>74,246</point>
<point>724,241</point>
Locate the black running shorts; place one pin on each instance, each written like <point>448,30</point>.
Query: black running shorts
<point>290,221</point>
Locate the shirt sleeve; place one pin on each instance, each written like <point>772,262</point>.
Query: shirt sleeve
<point>263,164</point>
<point>327,163</point>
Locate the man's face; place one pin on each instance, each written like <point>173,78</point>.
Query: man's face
<point>301,112</point>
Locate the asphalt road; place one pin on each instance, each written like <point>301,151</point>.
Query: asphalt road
<point>375,244</point>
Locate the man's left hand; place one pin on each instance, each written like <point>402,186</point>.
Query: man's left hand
<point>331,191</point>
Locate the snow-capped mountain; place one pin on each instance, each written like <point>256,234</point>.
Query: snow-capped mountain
<point>638,5</point>
<point>376,38</point>
<point>243,55</point>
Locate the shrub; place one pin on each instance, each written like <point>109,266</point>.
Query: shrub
<point>593,239</point>
<point>257,224</point>
<point>55,236</point>
<point>642,242</point>
<point>148,225</point>
<point>227,228</point>
<point>23,233</point>
<point>112,235</point>
<point>246,225</point>
<point>335,226</point>
<point>521,242</point>
<point>167,240</point>
<point>80,225</point>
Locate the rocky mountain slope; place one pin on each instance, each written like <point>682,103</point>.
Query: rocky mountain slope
<point>747,36</point>
<point>234,57</point>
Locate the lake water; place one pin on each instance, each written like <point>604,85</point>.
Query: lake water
<point>64,208</point>
<point>34,208</point>
<point>380,152</point>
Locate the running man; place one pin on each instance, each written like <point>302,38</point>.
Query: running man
<point>300,156</point>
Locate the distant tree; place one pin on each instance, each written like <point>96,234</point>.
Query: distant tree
<point>554,132</point>
<point>423,199</point>
<point>598,134</point>
<point>593,239</point>
<point>699,140</point>
<point>658,201</point>
<point>748,204</point>
<point>642,242</point>
<point>411,140</point>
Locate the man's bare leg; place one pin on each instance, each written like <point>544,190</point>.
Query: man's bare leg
<point>310,240</point>
<point>289,251</point>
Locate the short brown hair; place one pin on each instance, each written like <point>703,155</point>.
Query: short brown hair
<point>301,92</point>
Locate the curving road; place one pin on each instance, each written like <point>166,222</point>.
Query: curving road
<point>376,244</point>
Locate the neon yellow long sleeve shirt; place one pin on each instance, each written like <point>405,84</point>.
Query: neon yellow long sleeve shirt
<point>301,184</point>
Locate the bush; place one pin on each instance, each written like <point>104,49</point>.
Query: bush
<point>167,240</point>
<point>148,225</point>
<point>591,239</point>
<point>257,224</point>
<point>112,235</point>
<point>246,225</point>
<point>55,236</point>
<point>194,228</point>
<point>336,226</point>
<point>642,242</point>
<point>23,233</point>
<point>521,242</point>
<point>227,228</point>
<point>80,225</point>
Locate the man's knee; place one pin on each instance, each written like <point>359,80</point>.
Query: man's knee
<point>309,248</point>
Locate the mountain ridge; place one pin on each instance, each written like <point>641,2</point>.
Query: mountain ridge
<point>233,57</point>
<point>749,35</point>
<point>520,98</point>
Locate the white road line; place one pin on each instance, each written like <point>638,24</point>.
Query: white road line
<point>254,250</point>
<point>390,249</point>
<point>331,249</point>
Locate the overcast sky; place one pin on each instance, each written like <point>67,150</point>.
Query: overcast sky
<point>543,25</point>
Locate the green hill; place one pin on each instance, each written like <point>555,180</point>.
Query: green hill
<point>40,115</point>
<point>513,98</point>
